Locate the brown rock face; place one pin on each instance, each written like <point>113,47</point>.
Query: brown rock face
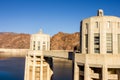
<point>14,40</point>
<point>60,41</point>
<point>65,41</point>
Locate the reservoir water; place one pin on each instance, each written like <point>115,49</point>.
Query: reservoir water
<point>13,69</point>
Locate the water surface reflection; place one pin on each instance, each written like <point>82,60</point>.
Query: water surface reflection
<point>13,69</point>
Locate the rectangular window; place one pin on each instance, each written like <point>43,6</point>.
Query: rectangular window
<point>96,24</point>
<point>108,24</point>
<point>44,47</point>
<point>118,24</point>
<point>118,43</point>
<point>96,43</point>
<point>33,45</point>
<point>86,27</point>
<point>44,42</point>
<point>38,45</point>
<point>86,42</point>
<point>109,42</point>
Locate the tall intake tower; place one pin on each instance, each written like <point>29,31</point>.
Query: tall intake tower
<point>38,67</point>
<point>100,49</point>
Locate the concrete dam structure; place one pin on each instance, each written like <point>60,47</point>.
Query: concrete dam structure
<point>98,58</point>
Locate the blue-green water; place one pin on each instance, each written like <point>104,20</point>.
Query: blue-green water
<point>13,69</point>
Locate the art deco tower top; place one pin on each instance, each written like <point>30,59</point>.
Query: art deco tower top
<point>100,34</point>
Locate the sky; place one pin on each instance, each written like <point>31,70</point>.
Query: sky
<point>52,16</point>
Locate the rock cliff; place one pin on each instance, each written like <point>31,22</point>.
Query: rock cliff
<point>65,41</point>
<point>14,40</point>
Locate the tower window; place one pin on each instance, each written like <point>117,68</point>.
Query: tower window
<point>86,42</point>
<point>108,24</point>
<point>44,47</point>
<point>33,45</point>
<point>38,45</point>
<point>118,24</point>
<point>44,42</point>
<point>118,43</point>
<point>96,43</point>
<point>86,27</point>
<point>96,25</point>
<point>109,42</point>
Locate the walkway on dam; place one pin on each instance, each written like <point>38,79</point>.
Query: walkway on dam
<point>66,54</point>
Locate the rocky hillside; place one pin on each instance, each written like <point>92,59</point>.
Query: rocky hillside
<point>65,41</point>
<point>60,41</point>
<point>14,40</point>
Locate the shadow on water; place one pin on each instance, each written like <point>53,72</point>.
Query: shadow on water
<point>62,70</point>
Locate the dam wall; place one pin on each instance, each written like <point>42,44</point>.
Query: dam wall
<point>13,52</point>
<point>61,54</point>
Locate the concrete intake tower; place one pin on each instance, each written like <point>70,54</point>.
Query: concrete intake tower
<point>100,49</point>
<point>38,67</point>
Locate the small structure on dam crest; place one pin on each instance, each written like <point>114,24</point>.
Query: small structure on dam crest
<point>38,67</point>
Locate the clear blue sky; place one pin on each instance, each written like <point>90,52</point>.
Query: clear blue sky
<point>53,16</point>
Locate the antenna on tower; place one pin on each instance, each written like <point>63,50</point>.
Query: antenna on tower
<point>41,31</point>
